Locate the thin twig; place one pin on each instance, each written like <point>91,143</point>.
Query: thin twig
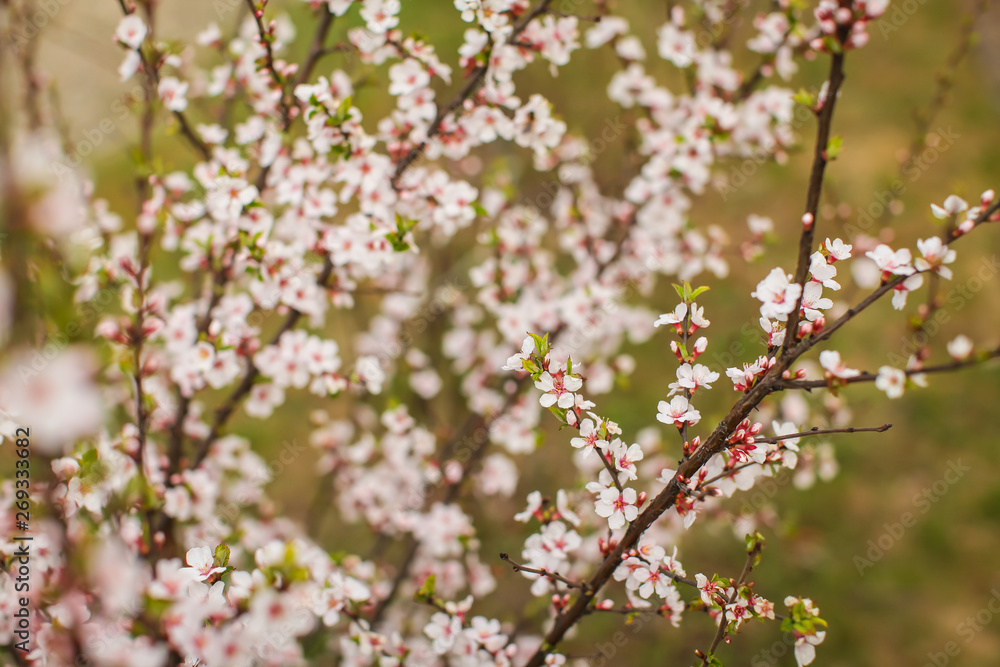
<point>554,576</point>
<point>747,568</point>
<point>871,377</point>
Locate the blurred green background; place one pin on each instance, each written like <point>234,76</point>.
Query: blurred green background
<point>945,568</point>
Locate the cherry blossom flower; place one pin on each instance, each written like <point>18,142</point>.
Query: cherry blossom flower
<point>953,205</point>
<point>935,255</point>
<point>202,563</point>
<point>777,295</point>
<point>692,377</point>
<point>677,412</point>
<point>443,630</point>
<point>891,262</point>
<point>617,506</point>
<point>590,438</point>
<point>652,579</point>
<point>709,590</point>
<point>131,31</point>
<point>676,45</point>
<point>625,458</point>
<point>813,303</point>
<point>173,93</point>
<point>838,249</point>
<point>901,290</point>
<point>891,380</point>
<point>558,389</point>
<point>675,319</point>
<point>831,362</point>
<point>822,272</point>
<point>960,347</point>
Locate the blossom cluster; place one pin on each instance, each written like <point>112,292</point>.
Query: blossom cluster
<point>351,275</point>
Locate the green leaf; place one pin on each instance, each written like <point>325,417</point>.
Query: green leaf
<point>699,290</point>
<point>222,553</point>
<point>833,148</point>
<point>426,591</point>
<point>805,98</point>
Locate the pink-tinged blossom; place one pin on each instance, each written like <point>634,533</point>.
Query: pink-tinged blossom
<point>698,316</point>
<point>173,92</point>
<point>131,31</point>
<point>935,255</point>
<point>891,262</point>
<point>604,31</point>
<point>838,249</point>
<point>590,437</point>
<point>744,378</point>
<point>202,563</point>
<point>617,506</point>
<point>625,458</point>
<point>443,630</point>
<point>407,77</point>
<point>830,360</point>
<point>901,290</point>
<point>813,301</point>
<point>676,45</point>
<point>953,205</point>
<point>777,295</point>
<point>677,412</point>
<point>558,389</point>
<point>692,378</point>
<point>651,579</point>
<point>58,400</point>
<point>891,380</point>
<point>380,15</point>
<point>129,66</point>
<point>775,332</point>
<point>708,589</point>
<point>960,348</point>
<point>822,272</point>
<point>534,505</point>
<point>675,318</point>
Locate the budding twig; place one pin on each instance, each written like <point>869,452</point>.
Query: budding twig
<point>554,576</point>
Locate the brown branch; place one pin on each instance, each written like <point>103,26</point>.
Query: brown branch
<point>820,159</point>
